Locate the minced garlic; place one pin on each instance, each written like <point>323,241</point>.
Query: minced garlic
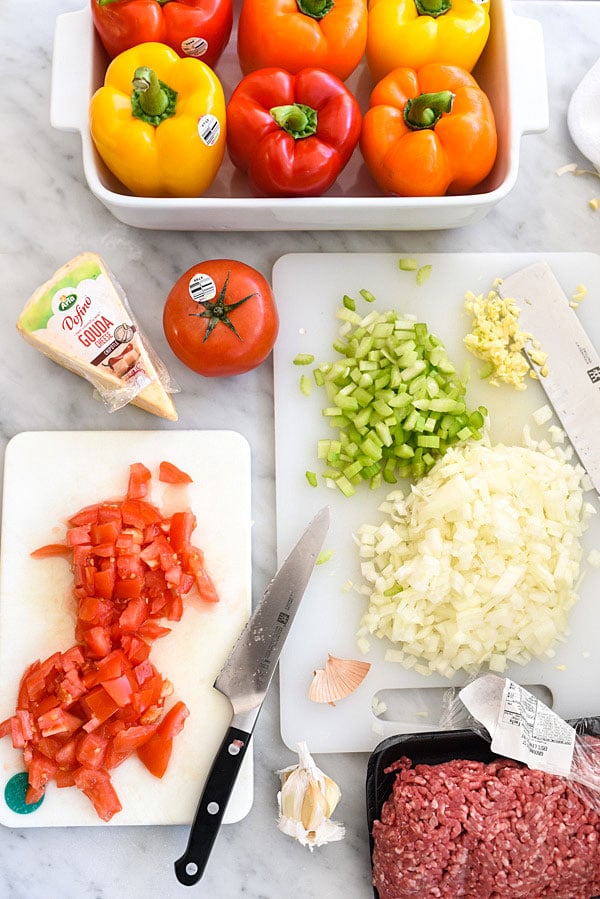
<point>496,338</point>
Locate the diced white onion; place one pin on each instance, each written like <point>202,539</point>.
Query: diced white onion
<point>484,554</point>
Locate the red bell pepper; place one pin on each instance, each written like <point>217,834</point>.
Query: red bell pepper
<point>292,134</point>
<point>197,28</point>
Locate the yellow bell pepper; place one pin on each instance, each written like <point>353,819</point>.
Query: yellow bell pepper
<point>414,33</point>
<point>159,122</point>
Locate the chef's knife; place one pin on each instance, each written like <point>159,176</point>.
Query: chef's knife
<point>572,382</point>
<point>245,679</point>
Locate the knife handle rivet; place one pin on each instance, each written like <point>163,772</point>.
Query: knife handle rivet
<point>212,808</point>
<point>234,747</point>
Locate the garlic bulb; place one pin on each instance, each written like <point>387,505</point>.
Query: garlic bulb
<point>307,800</point>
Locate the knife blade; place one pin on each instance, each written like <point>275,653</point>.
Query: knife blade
<point>572,383</point>
<point>245,679</point>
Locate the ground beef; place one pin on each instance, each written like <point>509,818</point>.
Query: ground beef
<point>484,831</point>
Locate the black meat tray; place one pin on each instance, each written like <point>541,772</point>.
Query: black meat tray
<point>432,748</point>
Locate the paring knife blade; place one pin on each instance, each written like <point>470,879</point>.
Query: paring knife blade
<point>572,383</point>
<point>245,679</point>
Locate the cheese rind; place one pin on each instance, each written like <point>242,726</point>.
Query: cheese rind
<point>80,319</point>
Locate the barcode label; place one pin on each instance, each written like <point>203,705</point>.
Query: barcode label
<point>209,129</point>
<point>202,288</point>
<point>194,47</point>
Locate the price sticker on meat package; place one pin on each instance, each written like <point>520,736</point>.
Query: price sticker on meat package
<point>521,727</point>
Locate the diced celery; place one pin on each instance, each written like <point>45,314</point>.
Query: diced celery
<point>394,398</point>
<point>423,273</point>
<point>406,264</point>
<point>348,302</point>
<point>367,295</point>
<point>304,359</point>
<point>305,385</point>
<point>311,478</point>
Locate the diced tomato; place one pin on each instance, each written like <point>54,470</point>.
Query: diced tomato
<point>152,630</point>
<point>82,712</point>
<point>34,683</point>
<point>104,550</point>
<point>25,722</point>
<point>98,787</point>
<point>107,532</point>
<point>156,754</point>
<point>109,667</point>
<point>52,549</point>
<point>139,513</point>
<point>173,722</point>
<point>98,642</point>
<point>142,672</point>
<point>72,658</point>
<point>128,588</point>
<point>58,721</point>
<point>87,515</point>
<point>95,611</point>
<point>170,474</point>
<point>78,536</point>
<point>71,688</point>
<point>139,480</point>
<point>132,737</point>
<point>99,705</point>
<point>182,527</point>
<point>91,750</point>
<point>66,757</point>
<point>135,648</point>
<point>64,778</point>
<point>129,565</point>
<point>104,583</point>
<point>174,608</point>
<point>109,512</point>
<point>119,689</point>
<point>193,561</point>
<point>134,614</point>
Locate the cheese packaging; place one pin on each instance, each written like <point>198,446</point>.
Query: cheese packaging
<point>81,319</point>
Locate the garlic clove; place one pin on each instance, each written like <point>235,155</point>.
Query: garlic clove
<point>337,679</point>
<point>306,801</point>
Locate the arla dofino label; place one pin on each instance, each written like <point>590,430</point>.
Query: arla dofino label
<point>202,288</point>
<point>194,46</point>
<point>82,315</point>
<point>209,129</point>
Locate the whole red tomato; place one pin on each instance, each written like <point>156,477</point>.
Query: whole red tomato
<point>220,318</point>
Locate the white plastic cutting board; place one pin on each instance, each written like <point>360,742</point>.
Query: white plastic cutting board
<point>47,477</point>
<point>309,289</point>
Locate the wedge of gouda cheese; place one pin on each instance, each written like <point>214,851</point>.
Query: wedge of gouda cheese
<point>80,319</point>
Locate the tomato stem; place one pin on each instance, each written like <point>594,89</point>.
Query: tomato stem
<point>218,311</point>
<point>426,109</point>
<point>297,119</point>
<point>152,100</point>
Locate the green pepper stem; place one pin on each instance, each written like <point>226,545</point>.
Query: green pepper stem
<point>426,109</point>
<point>433,8</point>
<point>297,119</point>
<point>153,99</point>
<point>316,9</point>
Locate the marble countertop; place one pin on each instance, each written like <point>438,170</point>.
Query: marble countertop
<point>48,216</point>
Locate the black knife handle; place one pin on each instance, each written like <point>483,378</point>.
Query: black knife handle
<point>211,808</point>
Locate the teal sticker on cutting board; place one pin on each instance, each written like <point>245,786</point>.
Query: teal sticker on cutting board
<point>14,794</point>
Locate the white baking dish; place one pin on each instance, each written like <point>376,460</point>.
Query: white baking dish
<point>511,71</point>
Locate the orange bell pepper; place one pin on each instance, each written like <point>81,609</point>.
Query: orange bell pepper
<point>429,133</point>
<point>300,34</point>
